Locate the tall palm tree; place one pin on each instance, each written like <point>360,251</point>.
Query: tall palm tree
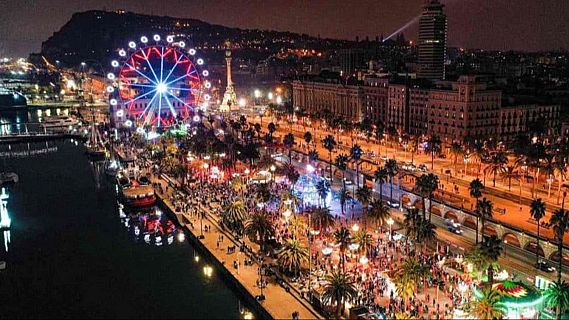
<point>338,289</point>
<point>288,141</point>
<point>307,138</point>
<point>511,171</point>
<point>323,189</point>
<point>234,214</point>
<point>537,211</point>
<point>342,164</point>
<point>313,155</point>
<point>425,232</point>
<point>363,195</point>
<point>292,255</point>
<point>356,154</point>
<point>344,196</point>
<point>434,147</point>
<point>411,221</point>
<point>323,218</point>
<point>392,170</point>
<point>456,151</point>
<point>378,129</point>
<point>557,297</point>
<point>426,185</point>
<point>259,228</point>
<point>380,176</point>
<point>559,221</point>
<point>329,144</point>
<point>476,186</point>
<point>364,239</point>
<point>496,165</point>
<point>343,238</point>
<point>490,250</point>
<point>379,213</point>
<point>404,285</point>
<point>487,307</point>
<point>484,210</point>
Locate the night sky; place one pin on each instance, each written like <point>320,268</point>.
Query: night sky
<point>488,24</point>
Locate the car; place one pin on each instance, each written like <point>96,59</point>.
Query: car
<point>348,182</point>
<point>453,226</point>
<point>393,204</point>
<point>422,167</point>
<point>545,266</point>
<point>384,158</point>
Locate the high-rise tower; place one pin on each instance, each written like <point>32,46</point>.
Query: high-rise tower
<point>432,41</point>
<point>229,102</point>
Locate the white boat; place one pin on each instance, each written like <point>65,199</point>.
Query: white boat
<point>8,178</point>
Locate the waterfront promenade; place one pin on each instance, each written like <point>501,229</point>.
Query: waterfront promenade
<point>279,303</point>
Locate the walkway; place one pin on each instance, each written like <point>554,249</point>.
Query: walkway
<point>279,303</point>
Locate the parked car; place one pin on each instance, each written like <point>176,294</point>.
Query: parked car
<point>393,204</point>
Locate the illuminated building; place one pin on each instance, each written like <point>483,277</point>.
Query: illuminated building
<point>432,41</point>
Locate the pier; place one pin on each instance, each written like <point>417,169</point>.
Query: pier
<point>280,301</point>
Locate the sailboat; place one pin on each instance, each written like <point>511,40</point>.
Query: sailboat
<point>95,145</point>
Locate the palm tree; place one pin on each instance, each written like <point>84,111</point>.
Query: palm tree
<point>344,196</point>
<point>496,165</point>
<point>380,176</point>
<point>559,221</point>
<point>484,210</point>
<point>342,164</point>
<point>323,189</point>
<point>487,307</point>
<point>329,144</point>
<point>307,138</point>
<point>363,195</point>
<point>234,214</point>
<point>426,185</point>
<point>537,211</point>
<point>356,154</point>
<point>288,141</point>
<point>425,232</point>
<point>391,167</point>
<point>259,228</point>
<point>404,285</point>
<point>364,239</point>
<point>378,129</point>
<point>338,289</point>
<point>379,213</point>
<point>490,250</point>
<point>411,221</point>
<point>292,255</point>
<point>511,171</point>
<point>343,238</point>
<point>323,218</point>
<point>476,186</point>
<point>313,155</point>
<point>434,147</point>
<point>557,297</point>
<point>412,269</point>
<point>456,151</point>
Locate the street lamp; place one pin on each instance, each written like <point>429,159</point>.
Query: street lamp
<point>390,223</point>
<point>355,227</point>
<point>257,93</point>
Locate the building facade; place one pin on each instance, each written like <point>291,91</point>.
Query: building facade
<point>526,118</point>
<point>432,41</point>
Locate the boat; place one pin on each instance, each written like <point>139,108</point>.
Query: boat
<point>8,178</point>
<point>59,123</point>
<point>112,168</point>
<point>95,146</point>
<point>136,192</point>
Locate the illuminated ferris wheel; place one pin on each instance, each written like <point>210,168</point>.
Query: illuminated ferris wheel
<point>157,83</point>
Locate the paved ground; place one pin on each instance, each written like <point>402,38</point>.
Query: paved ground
<point>279,303</point>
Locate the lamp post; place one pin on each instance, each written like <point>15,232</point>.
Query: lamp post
<point>273,169</point>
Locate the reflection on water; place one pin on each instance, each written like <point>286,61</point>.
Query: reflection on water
<point>150,225</point>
